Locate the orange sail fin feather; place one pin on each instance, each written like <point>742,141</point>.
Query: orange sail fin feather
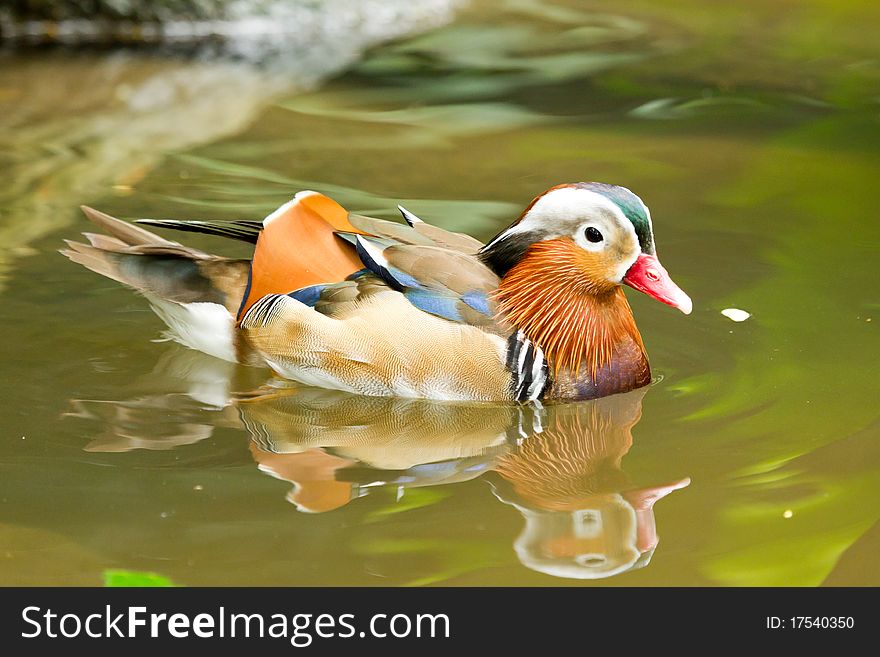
<point>557,301</point>
<point>297,247</point>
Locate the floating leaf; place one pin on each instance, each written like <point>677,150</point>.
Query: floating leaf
<point>135,578</point>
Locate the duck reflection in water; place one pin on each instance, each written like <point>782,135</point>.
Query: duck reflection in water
<point>583,518</point>
<point>559,465</point>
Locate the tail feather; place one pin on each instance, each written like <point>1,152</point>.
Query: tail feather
<point>194,293</point>
<point>105,242</point>
<point>125,232</point>
<point>158,267</point>
<point>244,230</point>
<point>91,258</point>
<point>175,277</point>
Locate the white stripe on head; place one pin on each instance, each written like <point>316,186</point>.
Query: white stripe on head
<point>560,210</point>
<point>567,203</point>
<point>568,211</point>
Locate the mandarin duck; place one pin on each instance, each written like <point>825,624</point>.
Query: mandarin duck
<point>343,301</point>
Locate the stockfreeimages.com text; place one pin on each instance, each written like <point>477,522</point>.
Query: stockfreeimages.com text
<point>299,629</point>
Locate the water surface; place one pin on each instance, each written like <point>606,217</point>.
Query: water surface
<point>750,130</point>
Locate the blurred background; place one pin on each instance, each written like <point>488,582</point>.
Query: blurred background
<point>749,128</point>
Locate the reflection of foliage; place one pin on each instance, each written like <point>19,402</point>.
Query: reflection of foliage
<point>72,127</point>
<point>770,538</point>
<point>415,498</point>
<point>806,356</point>
<point>448,558</point>
<point>278,186</point>
<point>120,116</point>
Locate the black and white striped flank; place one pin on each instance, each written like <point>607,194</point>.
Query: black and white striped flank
<point>528,367</point>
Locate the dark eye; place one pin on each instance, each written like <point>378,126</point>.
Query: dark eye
<point>593,235</point>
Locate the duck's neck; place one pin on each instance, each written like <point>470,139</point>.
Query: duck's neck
<point>585,329</point>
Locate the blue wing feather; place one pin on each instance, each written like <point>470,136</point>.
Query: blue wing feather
<point>308,295</point>
<point>436,303</point>
<point>479,301</point>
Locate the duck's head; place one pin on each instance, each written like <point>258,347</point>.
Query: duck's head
<point>598,235</point>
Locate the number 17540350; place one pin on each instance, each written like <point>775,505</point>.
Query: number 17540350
<point>810,622</point>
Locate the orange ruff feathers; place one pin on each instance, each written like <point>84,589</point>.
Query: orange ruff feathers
<point>553,296</point>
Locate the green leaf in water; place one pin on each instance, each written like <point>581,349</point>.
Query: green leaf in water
<point>135,578</point>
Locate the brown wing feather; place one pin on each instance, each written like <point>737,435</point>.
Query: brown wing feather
<point>455,241</point>
<point>394,230</point>
<point>125,232</point>
<point>438,267</point>
<point>418,233</point>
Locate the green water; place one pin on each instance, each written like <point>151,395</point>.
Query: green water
<point>751,131</point>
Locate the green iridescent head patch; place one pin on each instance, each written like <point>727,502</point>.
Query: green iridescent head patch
<point>632,208</point>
